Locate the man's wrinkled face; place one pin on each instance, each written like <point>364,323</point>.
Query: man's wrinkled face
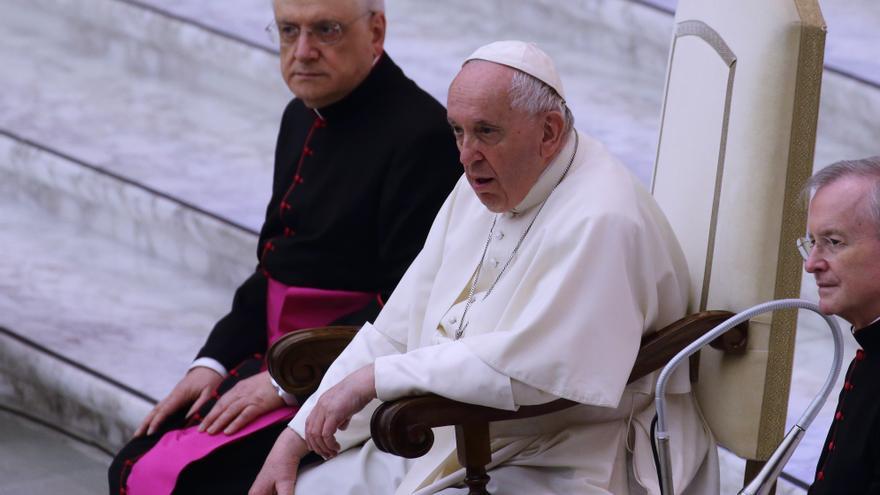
<point>320,74</point>
<point>846,258</point>
<point>499,146</point>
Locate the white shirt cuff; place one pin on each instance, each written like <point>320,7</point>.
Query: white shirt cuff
<point>288,399</point>
<point>210,363</point>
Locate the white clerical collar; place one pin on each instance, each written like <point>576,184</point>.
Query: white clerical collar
<point>548,178</point>
<point>853,329</point>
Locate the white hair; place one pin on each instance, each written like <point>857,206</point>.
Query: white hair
<point>533,96</point>
<point>867,168</point>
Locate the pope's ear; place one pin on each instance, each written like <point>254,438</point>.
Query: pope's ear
<point>554,126</point>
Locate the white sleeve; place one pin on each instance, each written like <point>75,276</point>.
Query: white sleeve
<point>367,345</point>
<point>210,363</point>
<point>451,370</point>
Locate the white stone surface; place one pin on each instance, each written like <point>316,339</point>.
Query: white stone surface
<point>153,225</point>
<point>74,400</point>
<point>853,38</point>
<point>106,305</point>
<point>150,123</point>
<point>37,460</point>
<point>853,42</point>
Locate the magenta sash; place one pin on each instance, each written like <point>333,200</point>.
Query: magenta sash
<point>287,309</point>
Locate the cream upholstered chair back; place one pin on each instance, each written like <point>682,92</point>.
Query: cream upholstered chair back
<point>736,146</point>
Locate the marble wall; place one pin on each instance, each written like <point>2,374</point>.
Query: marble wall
<point>159,227</point>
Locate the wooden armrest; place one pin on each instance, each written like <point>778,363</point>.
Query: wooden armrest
<point>403,427</point>
<point>299,360</point>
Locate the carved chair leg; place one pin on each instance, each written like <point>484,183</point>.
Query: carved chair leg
<point>474,453</point>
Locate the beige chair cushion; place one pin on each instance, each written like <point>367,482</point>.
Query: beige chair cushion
<point>736,146</point>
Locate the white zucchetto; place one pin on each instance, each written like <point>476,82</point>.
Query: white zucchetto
<point>523,56</point>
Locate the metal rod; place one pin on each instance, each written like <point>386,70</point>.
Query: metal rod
<point>763,482</point>
<point>767,475</point>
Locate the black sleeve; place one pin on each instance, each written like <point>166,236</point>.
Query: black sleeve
<point>242,332</point>
<point>874,461</point>
<point>418,182</point>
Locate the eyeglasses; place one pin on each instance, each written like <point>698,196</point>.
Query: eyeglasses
<point>828,245</point>
<point>326,32</point>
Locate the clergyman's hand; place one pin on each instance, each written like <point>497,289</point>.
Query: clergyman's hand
<point>334,410</point>
<point>246,401</point>
<point>193,389</point>
<point>278,474</point>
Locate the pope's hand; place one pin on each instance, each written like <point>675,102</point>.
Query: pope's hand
<point>194,389</point>
<point>278,475</point>
<point>246,401</point>
<point>335,408</point>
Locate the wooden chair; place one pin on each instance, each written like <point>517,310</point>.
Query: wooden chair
<point>403,427</point>
<point>738,130</point>
<point>736,146</point>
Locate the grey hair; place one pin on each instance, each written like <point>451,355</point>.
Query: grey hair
<point>533,96</point>
<point>370,5</point>
<point>867,168</point>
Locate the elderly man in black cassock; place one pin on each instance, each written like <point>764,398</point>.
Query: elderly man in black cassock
<point>363,161</point>
<point>842,251</point>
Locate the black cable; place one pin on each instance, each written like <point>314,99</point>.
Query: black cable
<point>794,481</point>
<point>654,451</point>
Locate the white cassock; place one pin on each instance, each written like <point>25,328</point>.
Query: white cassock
<point>598,269</point>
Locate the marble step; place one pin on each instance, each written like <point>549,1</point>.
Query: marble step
<point>78,194</point>
<point>38,459</point>
<point>95,328</point>
<point>127,214</point>
<point>612,54</point>
<point>145,97</point>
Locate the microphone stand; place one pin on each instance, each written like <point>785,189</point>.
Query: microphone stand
<point>765,479</point>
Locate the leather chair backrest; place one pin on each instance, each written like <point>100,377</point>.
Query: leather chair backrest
<point>736,146</point>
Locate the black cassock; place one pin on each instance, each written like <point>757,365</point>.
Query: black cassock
<point>356,187</point>
<point>850,460</point>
